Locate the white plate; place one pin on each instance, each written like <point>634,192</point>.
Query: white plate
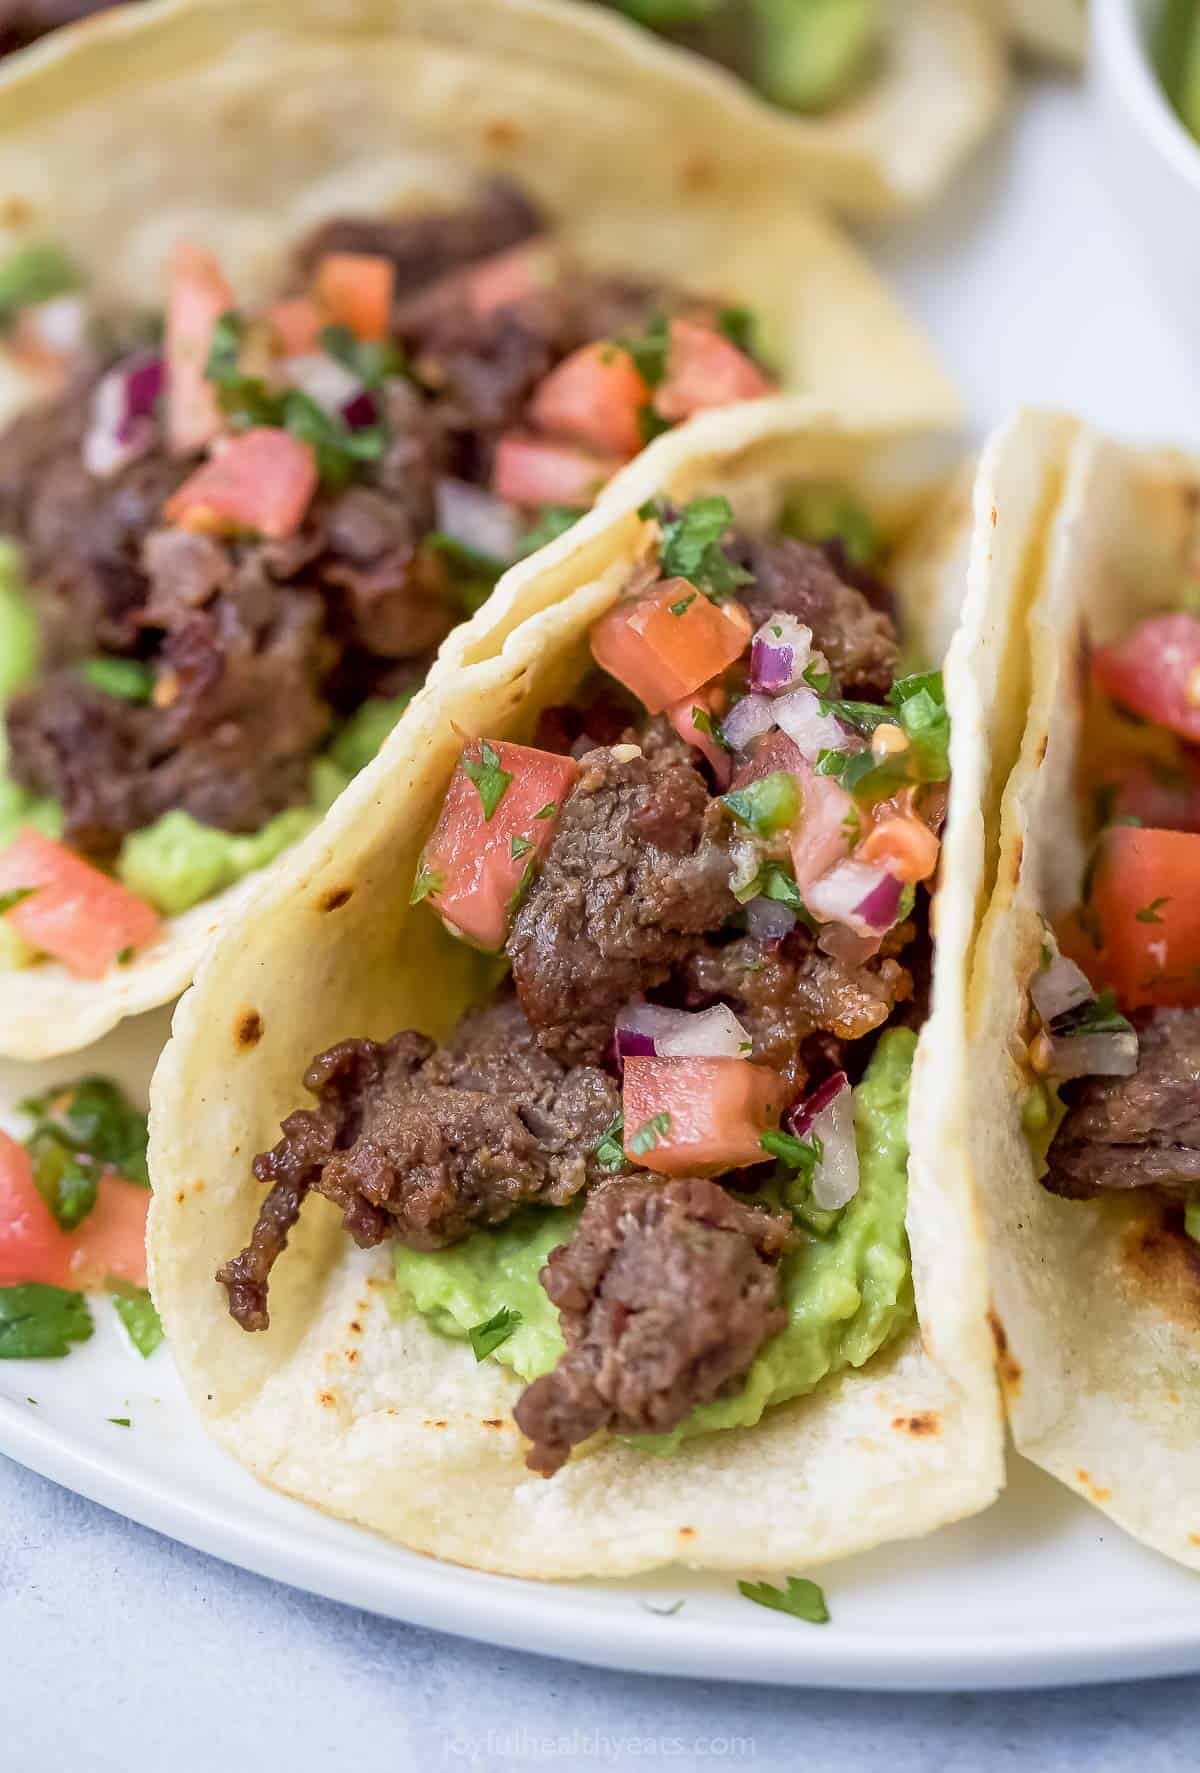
<point>1029,277</point>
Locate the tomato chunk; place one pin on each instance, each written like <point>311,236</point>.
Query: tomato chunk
<point>707,705</point>
<point>534,471</point>
<point>33,1246</point>
<point>688,1117</point>
<point>668,641</point>
<point>261,483</point>
<point>508,277</point>
<point>75,913</point>
<point>297,325</point>
<point>110,1244</point>
<point>1155,671</point>
<point>1146,905</point>
<point>1163,795</point>
<point>594,397</point>
<point>490,835</point>
<point>197,296</point>
<point>705,369</point>
<point>355,289</point>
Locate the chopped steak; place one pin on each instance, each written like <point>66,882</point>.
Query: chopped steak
<point>1136,1132</point>
<point>666,1292</point>
<point>785,994</point>
<point>858,641</point>
<point>429,245</point>
<point>423,1144</point>
<point>634,874</point>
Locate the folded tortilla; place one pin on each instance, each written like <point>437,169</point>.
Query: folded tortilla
<point>1097,1303</point>
<point>245,122</point>
<point>362,1409</point>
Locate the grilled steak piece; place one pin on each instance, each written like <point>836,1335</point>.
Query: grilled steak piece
<point>634,875</point>
<point>430,244</point>
<point>666,1292</point>
<point>422,1143</point>
<point>1136,1132</point>
<point>799,580</point>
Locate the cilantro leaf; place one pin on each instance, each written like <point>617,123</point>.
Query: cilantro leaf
<point>428,881</point>
<point>336,447</point>
<point>691,549</point>
<point>518,847</point>
<point>802,1598</point>
<point>65,1182</point>
<point>34,274</point>
<point>650,349</point>
<point>610,1152</point>
<point>1098,1015</point>
<point>774,881</point>
<point>491,781</point>
<point>801,1155</point>
<point>39,1322</point>
<point>703,721</point>
<point>684,604</point>
<point>486,1337</point>
<point>1152,913</point>
<point>371,360</point>
<point>119,1421</point>
<point>92,1117</point>
<point>738,325</point>
<point>551,522</point>
<point>648,1136</point>
<point>127,678</point>
<point>135,1308</point>
<point>768,805</point>
<point>14,897</point>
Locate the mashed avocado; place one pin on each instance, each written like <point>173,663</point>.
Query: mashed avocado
<point>847,1292</point>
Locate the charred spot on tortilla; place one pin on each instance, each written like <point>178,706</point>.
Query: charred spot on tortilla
<point>335,898</point>
<point>1161,1263</point>
<point>1039,756</point>
<point>920,1424</point>
<point>1007,1364</point>
<point>248,1029</point>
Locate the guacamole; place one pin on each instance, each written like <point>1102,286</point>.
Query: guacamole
<point>848,1292</point>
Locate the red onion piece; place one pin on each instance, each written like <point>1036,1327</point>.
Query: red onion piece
<point>800,1116</point>
<point>123,425</point>
<point>865,898</point>
<point>779,653</point>
<point>1058,987</point>
<point>324,380</point>
<point>747,720</point>
<point>769,921</point>
<point>1092,1055</point>
<point>799,714</point>
<point>647,1030</point>
<point>476,518</point>
<point>360,412</point>
<point>835,1179</point>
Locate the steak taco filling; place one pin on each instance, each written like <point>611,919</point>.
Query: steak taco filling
<point>241,534</point>
<point>661,1171</point>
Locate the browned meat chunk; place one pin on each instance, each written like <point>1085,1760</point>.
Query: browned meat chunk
<point>423,1144</point>
<point>858,641</point>
<point>429,245</point>
<point>1136,1132</point>
<point>633,876</point>
<point>666,1292</point>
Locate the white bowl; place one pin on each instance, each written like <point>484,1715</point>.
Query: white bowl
<point>1154,161</point>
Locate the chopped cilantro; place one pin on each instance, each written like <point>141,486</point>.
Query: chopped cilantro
<point>684,604</point>
<point>135,1308</point>
<point>610,1153</point>
<point>491,781</point>
<point>518,847</point>
<point>651,424</point>
<point>648,1136</point>
<point>1151,913</point>
<point>125,955</point>
<point>818,513</point>
<point>371,360</point>
<point>39,1322</point>
<point>127,678</point>
<point>802,1598</point>
<point>519,891</point>
<point>14,897</point>
<point>486,1337</point>
<point>802,1155</point>
<point>703,722</point>
<point>34,274</point>
<point>1098,1015</point>
<point>738,326</point>
<point>551,522</point>
<point>817,676</point>
<point>650,349</point>
<point>65,1180</point>
<point>649,511</point>
<point>428,881</point>
<point>548,811</point>
<point>773,881</point>
<point>120,1421</point>
<point>768,805</point>
<point>92,1118</point>
<point>336,447</point>
<point>691,549</point>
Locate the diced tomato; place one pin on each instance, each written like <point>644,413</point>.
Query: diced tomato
<point>473,867</point>
<point>533,471</point>
<point>297,325</point>
<point>682,716</point>
<point>668,641</point>
<point>197,296</point>
<point>687,1117</point>
<point>261,483</point>
<point>355,289</point>
<point>904,845</point>
<point>824,833</point>
<point>1163,795</point>
<point>1145,902</point>
<point>508,277</point>
<point>594,398</point>
<point>1155,671</point>
<point>110,1244</point>
<point>33,1247</point>
<point>76,914</point>
<point>705,369</point>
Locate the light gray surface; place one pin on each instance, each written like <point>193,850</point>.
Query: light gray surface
<point>124,1653</point>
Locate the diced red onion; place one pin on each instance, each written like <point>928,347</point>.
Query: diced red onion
<point>865,898</point>
<point>779,653</point>
<point>324,380</point>
<point>476,518</point>
<point>801,1115</point>
<point>799,714</point>
<point>650,1030</point>
<point>361,411</point>
<point>835,1179</point>
<point>1059,987</point>
<point>123,425</point>
<point>747,720</point>
<point>768,920</point>
<point>1092,1055</point>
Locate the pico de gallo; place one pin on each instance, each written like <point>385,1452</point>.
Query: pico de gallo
<point>661,1172</point>
<point>241,530</point>
<point>1116,1000</point>
<point>73,1200</point>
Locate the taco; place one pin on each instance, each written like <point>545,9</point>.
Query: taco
<point>1086,1006</point>
<point>1087,1002</point>
<point>384,378</point>
<point>871,104</point>
<point>609,988</point>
